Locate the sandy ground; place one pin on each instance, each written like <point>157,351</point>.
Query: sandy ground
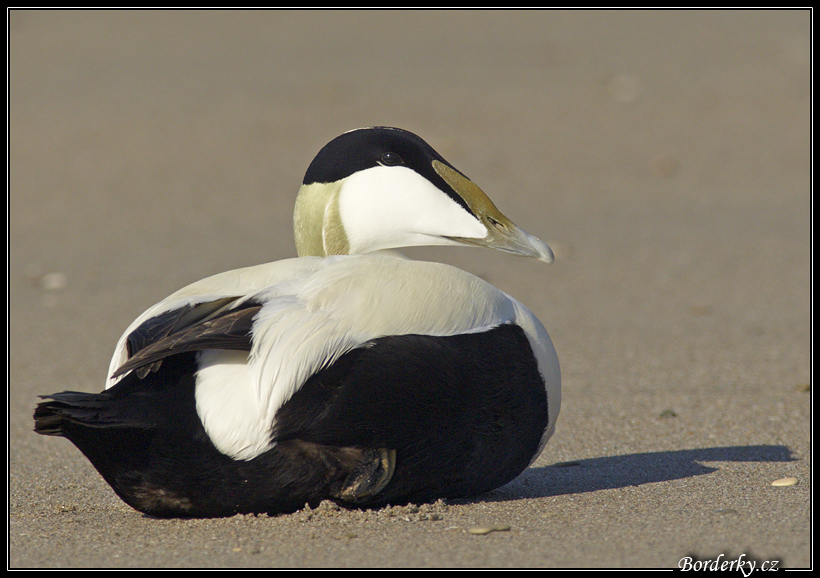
<point>665,156</point>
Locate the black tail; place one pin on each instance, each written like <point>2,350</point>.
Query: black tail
<point>146,440</point>
<point>72,408</point>
<point>134,433</point>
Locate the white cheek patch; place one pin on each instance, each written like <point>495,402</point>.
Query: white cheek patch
<point>388,207</point>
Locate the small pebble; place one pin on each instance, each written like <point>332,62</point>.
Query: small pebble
<point>481,530</point>
<point>727,511</point>
<point>53,281</point>
<point>785,482</point>
<point>429,518</point>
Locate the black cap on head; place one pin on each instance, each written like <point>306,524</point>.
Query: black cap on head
<point>365,148</point>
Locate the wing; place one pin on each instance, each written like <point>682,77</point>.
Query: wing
<point>173,321</point>
<point>198,301</point>
<point>220,324</point>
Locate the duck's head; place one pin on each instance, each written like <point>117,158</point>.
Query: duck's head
<point>384,188</point>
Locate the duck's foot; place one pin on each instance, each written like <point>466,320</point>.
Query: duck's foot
<point>370,477</point>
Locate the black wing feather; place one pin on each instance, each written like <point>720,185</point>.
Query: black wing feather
<point>170,322</point>
<point>211,325</point>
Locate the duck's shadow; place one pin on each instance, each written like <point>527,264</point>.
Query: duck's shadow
<point>612,472</point>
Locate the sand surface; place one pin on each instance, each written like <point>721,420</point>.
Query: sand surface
<point>664,155</point>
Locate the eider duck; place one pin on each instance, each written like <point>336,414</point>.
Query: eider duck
<point>349,373</point>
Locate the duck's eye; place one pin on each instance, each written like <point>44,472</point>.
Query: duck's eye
<point>390,159</point>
